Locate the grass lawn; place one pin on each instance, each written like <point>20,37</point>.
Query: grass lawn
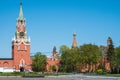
<point>114,75</point>
<point>33,74</point>
<point>50,74</point>
<point>11,74</point>
<point>106,74</point>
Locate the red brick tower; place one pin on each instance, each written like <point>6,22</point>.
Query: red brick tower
<point>54,54</point>
<point>53,61</point>
<point>21,45</point>
<point>74,44</point>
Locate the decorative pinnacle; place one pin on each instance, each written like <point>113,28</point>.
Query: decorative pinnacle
<point>74,34</point>
<point>21,3</point>
<point>21,13</point>
<point>54,49</point>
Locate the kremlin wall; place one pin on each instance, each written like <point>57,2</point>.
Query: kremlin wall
<point>21,51</point>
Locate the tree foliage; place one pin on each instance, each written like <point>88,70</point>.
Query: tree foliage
<point>39,62</point>
<point>72,59</point>
<point>89,54</point>
<point>115,61</point>
<point>110,51</point>
<point>111,55</point>
<point>68,58</point>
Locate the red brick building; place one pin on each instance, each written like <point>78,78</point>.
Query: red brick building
<point>53,61</point>
<point>20,49</point>
<point>94,67</point>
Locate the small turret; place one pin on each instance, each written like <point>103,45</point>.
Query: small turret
<point>109,41</point>
<point>74,44</point>
<point>54,49</point>
<point>54,53</point>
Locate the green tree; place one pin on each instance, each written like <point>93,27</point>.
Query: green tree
<point>75,57</point>
<point>115,61</point>
<point>68,59</point>
<point>65,59</point>
<point>39,62</point>
<point>89,54</point>
<point>103,52</point>
<point>110,54</point>
<point>110,50</point>
<point>64,49</point>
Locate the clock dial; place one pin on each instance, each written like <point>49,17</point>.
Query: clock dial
<point>21,33</point>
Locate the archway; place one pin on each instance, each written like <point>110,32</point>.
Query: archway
<point>6,64</point>
<point>21,69</point>
<point>53,68</point>
<point>22,65</point>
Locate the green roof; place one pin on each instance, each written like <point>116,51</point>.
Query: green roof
<point>109,38</point>
<point>21,17</point>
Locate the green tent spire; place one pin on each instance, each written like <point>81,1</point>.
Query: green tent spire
<point>54,49</point>
<point>21,13</point>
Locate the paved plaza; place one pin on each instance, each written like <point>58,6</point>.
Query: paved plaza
<point>64,77</point>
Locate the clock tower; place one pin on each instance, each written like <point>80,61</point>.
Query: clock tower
<point>21,45</point>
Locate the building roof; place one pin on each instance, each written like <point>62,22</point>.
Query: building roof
<point>21,17</point>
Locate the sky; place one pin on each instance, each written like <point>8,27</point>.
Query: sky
<point>52,23</point>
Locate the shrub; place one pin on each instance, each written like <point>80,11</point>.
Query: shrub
<point>99,71</point>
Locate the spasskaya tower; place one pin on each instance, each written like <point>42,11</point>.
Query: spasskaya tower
<point>21,44</point>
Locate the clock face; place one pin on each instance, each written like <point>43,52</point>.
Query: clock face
<point>21,33</point>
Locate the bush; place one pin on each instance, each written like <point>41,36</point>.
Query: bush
<point>99,71</point>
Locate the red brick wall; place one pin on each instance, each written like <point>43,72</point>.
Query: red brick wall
<point>51,63</point>
<point>21,53</point>
<point>6,63</point>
